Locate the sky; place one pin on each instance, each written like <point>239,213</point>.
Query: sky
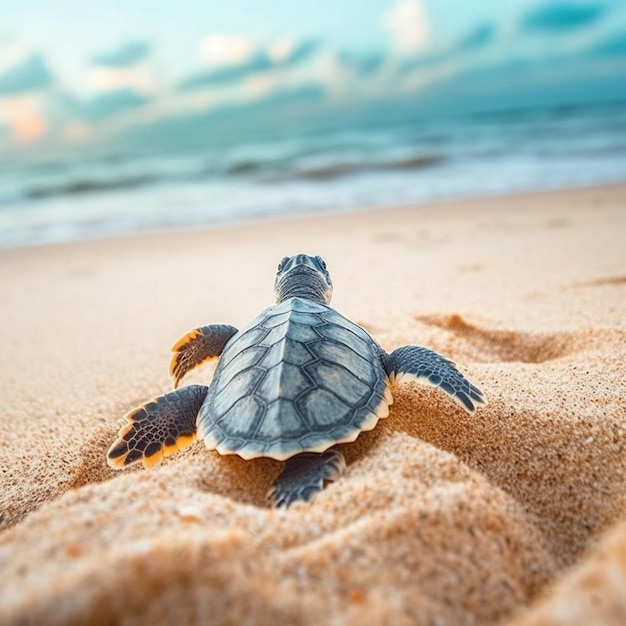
<point>75,74</point>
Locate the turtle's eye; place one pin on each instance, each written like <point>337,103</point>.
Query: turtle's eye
<point>282,263</point>
<point>321,262</point>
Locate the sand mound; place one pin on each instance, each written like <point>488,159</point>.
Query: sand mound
<point>408,512</point>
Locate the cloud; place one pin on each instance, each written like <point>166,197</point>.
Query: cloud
<point>300,53</point>
<point>142,78</point>
<point>519,84</point>
<point>426,62</point>
<point>226,49</point>
<point>614,46</point>
<point>126,70</point>
<point>363,65</point>
<point>11,54</point>
<point>106,105</point>
<point>229,74</point>
<point>31,74</point>
<point>407,23</point>
<point>281,98</point>
<point>477,39</point>
<point>23,117</point>
<point>562,17</point>
<point>257,64</point>
<point>126,55</point>
<point>280,48</point>
<point>230,119</point>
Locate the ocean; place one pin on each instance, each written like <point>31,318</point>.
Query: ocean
<point>86,194</point>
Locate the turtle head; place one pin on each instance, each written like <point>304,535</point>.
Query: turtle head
<point>303,276</point>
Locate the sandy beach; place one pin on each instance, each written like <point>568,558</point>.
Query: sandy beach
<point>515,515</point>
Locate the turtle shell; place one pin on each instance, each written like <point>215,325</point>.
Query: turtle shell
<point>300,377</point>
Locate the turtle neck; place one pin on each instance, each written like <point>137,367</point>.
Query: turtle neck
<point>303,282</point>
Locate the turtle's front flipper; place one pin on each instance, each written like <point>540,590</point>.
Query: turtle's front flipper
<point>198,346</point>
<point>425,366</point>
<point>304,476</point>
<point>158,428</point>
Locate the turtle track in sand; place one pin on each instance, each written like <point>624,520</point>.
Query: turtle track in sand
<point>488,345</point>
<point>605,281</point>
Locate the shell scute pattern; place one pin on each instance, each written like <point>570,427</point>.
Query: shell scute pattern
<point>325,405</point>
<point>305,306</point>
<point>339,320</point>
<point>276,334</point>
<point>239,363</point>
<point>347,387</point>
<point>276,320</point>
<point>246,339</point>
<point>296,353</point>
<point>288,381</point>
<point>303,334</point>
<point>281,417</point>
<point>239,385</point>
<point>347,339</point>
<point>308,382</point>
<point>340,353</point>
<point>306,318</point>
<point>242,415</point>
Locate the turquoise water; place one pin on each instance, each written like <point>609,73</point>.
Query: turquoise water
<point>121,191</point>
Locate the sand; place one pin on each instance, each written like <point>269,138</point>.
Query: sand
<point>516,515</point>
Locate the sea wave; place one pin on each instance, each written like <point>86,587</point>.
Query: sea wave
<point>337,170</point>
<point>261,170</point>
<point>87,186</point>
<point>278,171</point>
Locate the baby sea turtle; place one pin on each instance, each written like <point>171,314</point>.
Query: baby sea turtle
<point>297,380</point>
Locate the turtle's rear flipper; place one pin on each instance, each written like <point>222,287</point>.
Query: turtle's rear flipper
<point>304,476</point>
<point>158,428</point>
<point>414,363</point>
<point>198,346</point>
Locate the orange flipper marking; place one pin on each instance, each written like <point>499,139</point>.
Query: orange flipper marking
<point>185,339</point>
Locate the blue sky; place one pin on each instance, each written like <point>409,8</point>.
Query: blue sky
<point>75,73</point>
